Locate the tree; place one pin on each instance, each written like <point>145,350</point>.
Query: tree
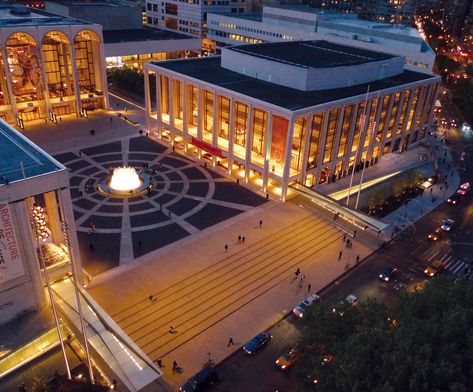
<point>423,342</point>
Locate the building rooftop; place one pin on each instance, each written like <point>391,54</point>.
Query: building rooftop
<point>208,70</point>
<point>144,34</point>
<point>21,159</point>
<point>312,54</point>
<point>377,26</point>
<point>12,15</point>
<point>255,16</point>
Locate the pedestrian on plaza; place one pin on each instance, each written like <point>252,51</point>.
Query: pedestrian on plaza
<point>80,154</point>
<point>151,298</point>
<point>226,248</point>
<point>239,238</point>
<point>172,330</point>
<point>308,287</point>
<point>301,280</point>
<point>243,239</point>
<point>60,119</point>
<point>340,255</point>
<point>345,237</point>
<point>111,119</point>
<point>140,243</point>
<point>175,367</point>
<point>80,193</point>
<point>126,110</point>
<point>357,259</point>
<point>159,362</point>
<point>354,233</point>
<point>45,120</point>
<point>260,223</point>
<point>230,342</point>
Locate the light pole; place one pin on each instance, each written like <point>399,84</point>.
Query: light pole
<point>38,221</point>
<point>67,238</point>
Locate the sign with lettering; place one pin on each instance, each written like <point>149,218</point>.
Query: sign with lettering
<point>10,261</point>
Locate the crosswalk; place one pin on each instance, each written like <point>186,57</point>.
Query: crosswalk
<point>452,264</point>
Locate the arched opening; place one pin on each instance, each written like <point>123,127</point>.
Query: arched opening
<point>56,49</point>
<point>26,77</point>
<point>89,69</point>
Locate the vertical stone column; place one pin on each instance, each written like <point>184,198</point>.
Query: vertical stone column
<point>249,142</point>
<point>185,106</point>
<point>267,151</point>
<point>321,148</point>
<point>336,142</point>
<point>171,109</point>
<point>215,127</point>
<point>76,79</point>
<point>103,74</point>
<point>351,136</point>
<point>231,135</point>
<point>305,153</point>
<point>68,216</point>
<point>44,77</point>
<point>386,122</point>
<point>199,119</point>
<point>158,104</point>
<point>147,98</point>
<point>53,217</point>
<point>287,160</point>
<point>6,70</point>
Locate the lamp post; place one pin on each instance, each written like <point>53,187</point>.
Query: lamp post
<point>67,238</point>
<point>38,222</point>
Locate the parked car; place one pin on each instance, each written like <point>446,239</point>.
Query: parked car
<point>434,268</point>
<point>287,359</point>
<point>464,188</point>
<point>447,224</point>
<point>436,234</point>
<point>453,123</point>
<point>301,308</point>
<point>454,199</point>
<point>259,341</point>
<point>205,378</point>
<point>388,274</point>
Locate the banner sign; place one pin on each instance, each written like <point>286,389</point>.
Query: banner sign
<point>279,139</point>
<point>207,147</point>
<point>10,261</point>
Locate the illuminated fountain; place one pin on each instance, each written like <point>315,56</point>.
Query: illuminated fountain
<point>125,181</point>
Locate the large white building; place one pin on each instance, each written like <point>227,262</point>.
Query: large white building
<point>189,17</point>
<point>29,177</point>
<point>287,23</point>
<point>298,111</point>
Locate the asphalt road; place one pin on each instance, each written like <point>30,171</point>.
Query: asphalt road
<point>410,252</point>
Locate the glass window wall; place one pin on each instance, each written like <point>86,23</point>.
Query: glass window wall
<point>241,127</point>
<point>300,129</point>
<point>208,106</point>
<point>331,131</point>
<point>260,119</point>
<point>223,121</point>
<point>346,125</point>
<point>315,134</point>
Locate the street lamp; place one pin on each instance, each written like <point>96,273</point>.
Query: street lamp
<point>38,222</point>
<point>67,238</point>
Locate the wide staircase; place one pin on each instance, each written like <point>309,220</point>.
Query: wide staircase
<point>206,297</point>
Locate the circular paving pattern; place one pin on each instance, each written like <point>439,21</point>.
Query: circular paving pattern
<point>186,198</point>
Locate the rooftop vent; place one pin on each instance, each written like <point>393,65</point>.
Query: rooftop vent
<point>19,10</point>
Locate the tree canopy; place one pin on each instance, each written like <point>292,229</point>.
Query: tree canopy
<point>424,342</point>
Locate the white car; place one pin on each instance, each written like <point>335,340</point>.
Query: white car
<point>351,300</point>
<point>300,309</point>
<point>447,224</point>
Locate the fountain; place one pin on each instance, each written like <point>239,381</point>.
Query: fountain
<point>125,182</point>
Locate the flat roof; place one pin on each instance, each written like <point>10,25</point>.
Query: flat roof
<point>208,69</point>
<point>305,8</point>
<point>13,15</point>
<point>254,16</point>
<point>312,54</point>
<point>21,159</point>
<point>144,34</point>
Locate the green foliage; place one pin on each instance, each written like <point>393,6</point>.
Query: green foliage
<point>130,80</point>
<point>445,62</point>
<point>463,98</point>
<point>424,342</point>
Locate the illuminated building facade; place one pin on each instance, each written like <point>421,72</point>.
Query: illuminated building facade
<point>30,178</point>
<point>288,112</point>
<point>49,65</point>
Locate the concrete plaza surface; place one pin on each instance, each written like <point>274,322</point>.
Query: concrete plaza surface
<point>208,295</point>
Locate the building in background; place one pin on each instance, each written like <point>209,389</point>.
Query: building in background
<point>190,17</point>
<point>286,23</point>
<point>49,65</point>
<point>29,176</point>
<point>127,43</point>
<point>458,17</point>
<point>278,113</point>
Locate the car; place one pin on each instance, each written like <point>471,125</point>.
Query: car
<point>454,199</point>
<point>436,234</point>
<point>434,268</point>
<point>287,359</point>
<point>464,188</point>
<point>205,378</point>
<point>301,308</point>
<point>447,224</point>
<point>453,123</point>
<point>388,274</point>
<point>259,341</point>
<point>443,122</point>
<point>350,300</point>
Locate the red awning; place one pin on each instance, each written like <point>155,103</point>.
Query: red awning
<point>207,147</point>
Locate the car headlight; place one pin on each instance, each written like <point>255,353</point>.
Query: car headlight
<point>386,278</point>
<point>425,271</point>
<point>277,362</point>
<point>301,315</point>
<point>283,367</point>
<point>431,274</point>
<point>381,276</point>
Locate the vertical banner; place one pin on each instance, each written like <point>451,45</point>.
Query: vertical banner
<point>10,262</point>
<point>279,138</point>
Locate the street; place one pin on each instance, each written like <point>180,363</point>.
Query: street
<point>411,252</point>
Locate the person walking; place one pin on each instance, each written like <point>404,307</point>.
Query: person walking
<point>340,255</point>
<point>159,362</point>
<point>172,330</point>
<point>260,223</point>
<point>301,280</point>
<point>175,367</point>
<point>357,259</point>
<point>226,248</point>
<point>354,233</point>
<point>239,238</point>
<point>308,287</point>
<point>345,237</point>
<point>243,239</point>
<point>230,342</point>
